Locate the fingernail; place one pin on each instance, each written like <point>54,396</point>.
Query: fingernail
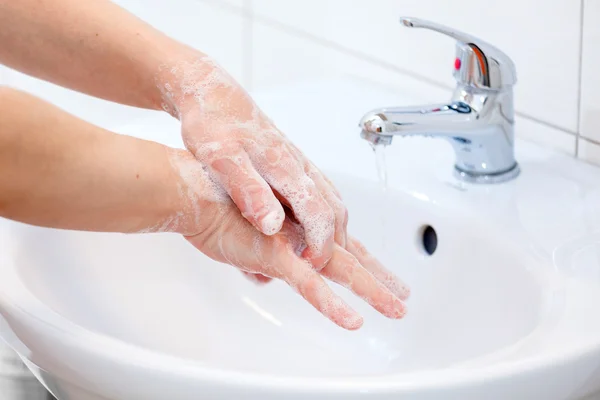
<point>272,222</point>
<point>398,310</point>
<point>346,317</point>
<point>354,322</point>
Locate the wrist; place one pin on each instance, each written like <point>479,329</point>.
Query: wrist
<point>179,81</point>
<point>199,200</point>
<point>196,82</point>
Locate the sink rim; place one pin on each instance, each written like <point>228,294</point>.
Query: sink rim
<point>19,302</point>
<point>130,355</point>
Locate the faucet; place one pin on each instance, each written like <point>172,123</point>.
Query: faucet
<point>478,121</point>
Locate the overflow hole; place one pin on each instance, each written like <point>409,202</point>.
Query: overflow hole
<point>428,239</point>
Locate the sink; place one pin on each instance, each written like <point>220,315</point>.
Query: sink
<point>505,307</point>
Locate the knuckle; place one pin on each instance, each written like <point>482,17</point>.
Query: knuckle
<point>360,248</point>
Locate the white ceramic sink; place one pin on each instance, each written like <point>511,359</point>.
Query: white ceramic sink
<point>505,308</point>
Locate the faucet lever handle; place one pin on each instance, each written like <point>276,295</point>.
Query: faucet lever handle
<point>478,63</point>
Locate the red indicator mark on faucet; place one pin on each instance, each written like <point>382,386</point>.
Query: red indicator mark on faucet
<point>457,63</point>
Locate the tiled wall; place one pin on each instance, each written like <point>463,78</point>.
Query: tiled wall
<point>589,142</point>
<point>554,44</point>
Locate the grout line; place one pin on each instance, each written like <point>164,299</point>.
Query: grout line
<point>545,123</point>
<point>592,141</point>
<point>256,18</point>
<point>580,77</point>
<point>345,50</point>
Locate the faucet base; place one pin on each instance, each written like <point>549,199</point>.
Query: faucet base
<point>498,177</point>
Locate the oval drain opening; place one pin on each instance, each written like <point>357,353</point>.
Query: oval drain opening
<point>428,240</point>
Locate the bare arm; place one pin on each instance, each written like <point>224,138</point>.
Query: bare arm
<point>59,171</point>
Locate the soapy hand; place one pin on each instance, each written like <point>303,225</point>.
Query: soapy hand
<point>213,224</point>
<point>259,168</point>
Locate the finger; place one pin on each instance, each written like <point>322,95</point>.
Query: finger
<point>371,264</point>
<point>300,275</point>
<point>330,195</point>
<point>344,269</point>
<point>309,165</point>
<point>259,279</point>
<point>287,177</point>
<point>249,191</point>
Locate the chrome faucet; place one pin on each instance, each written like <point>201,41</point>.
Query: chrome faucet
<point>479,119</point>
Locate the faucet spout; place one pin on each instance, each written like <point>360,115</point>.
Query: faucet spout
<point>478,125</point>
<point>436,120</point>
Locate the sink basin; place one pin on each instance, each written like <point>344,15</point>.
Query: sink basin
<point>505,307</point>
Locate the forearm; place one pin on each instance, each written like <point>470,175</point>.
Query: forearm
<point>92,46</point>
<point>62,172</point>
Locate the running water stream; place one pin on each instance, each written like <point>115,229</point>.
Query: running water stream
<point>382,174</point>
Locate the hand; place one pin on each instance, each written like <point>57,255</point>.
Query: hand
<point>214,225</point>
<point>251,159</point>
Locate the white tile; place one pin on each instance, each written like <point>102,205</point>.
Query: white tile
<point>544,135</point>
<point>541,37</point>
<point>236,3</point>
<point>236,6</point>
<point>589,151</point>
<point>590,79</point>
<point>202,25</point>
<point>280,57</point>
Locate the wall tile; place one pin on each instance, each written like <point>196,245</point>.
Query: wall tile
<point>546,136</point>
<point>281,57</point>
<point>236,3</point>
<point>200,24</point>
<point>589,151</point>
<point>590,79</point>
<point>543,40</point>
